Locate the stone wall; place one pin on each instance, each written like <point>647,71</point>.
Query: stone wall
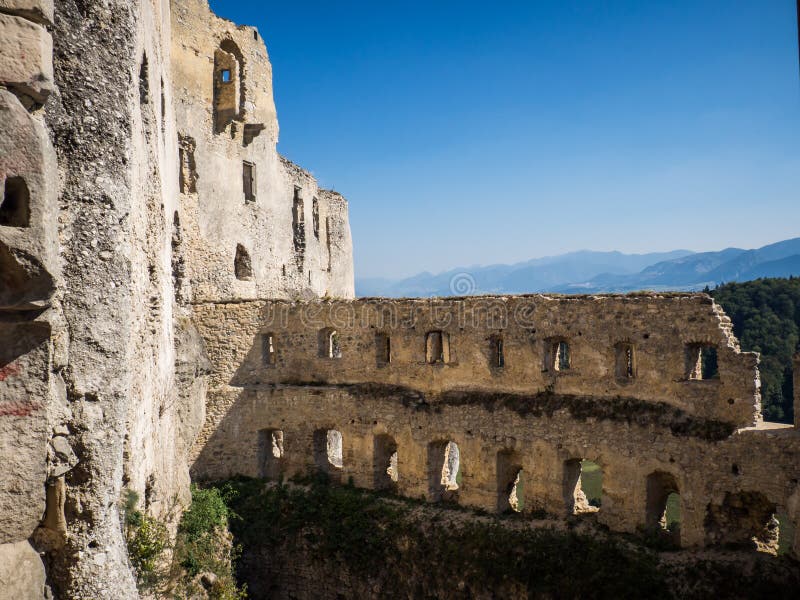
<point>123,201</point>
<point>661,332</point>
<point>254,224</point>
<point>268,413</point>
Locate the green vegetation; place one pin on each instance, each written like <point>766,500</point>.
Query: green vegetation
<point>147,539</point>
<point>592,482</point>
<point>202,545</point>
<point>339,537</point>
<point>385,543</point>
<point>766,319</point>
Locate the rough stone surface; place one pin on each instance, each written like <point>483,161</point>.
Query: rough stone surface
<point>38,11</point>
<point>26,63</point>
<point>707,435</point>
<point>22,575</point>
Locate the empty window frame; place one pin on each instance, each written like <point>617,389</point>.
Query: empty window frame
<point>583,486</point>
<point>242,265</point>
<point>271,453</point>
<point>497,359</point>
<point>385,468</point>
<point>437,347</point>
<point>557,355</point>
<point>701,361</point>
<point>15,208</point>
<point>329,343</point>
<point>328,454</point>
<point>444,470</point>
<point>225,76</point>
<point>249,181</point>
<point>268,353</point>
<point>383,349</point>
<point>315,216</point>
<point>625,361</point>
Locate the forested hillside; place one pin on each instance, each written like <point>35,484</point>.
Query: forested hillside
<point>766,319</point>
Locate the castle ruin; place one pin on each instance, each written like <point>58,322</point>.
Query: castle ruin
<point>176,302</point>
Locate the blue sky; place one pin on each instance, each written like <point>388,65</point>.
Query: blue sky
<point>475,133</point>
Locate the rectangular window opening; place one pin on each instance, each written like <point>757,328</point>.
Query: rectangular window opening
<point>225,75</point>
<point>248,181</point>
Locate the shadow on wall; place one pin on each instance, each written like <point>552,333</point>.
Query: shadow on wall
<point>24,283</point>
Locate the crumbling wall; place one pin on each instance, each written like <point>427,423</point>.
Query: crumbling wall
<point>521,417</point>
<point>660,330</point>
<point>28,275</point>
<point>237,191</point>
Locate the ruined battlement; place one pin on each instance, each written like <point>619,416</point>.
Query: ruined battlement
<point>647,347</point>
<point>454,399</point>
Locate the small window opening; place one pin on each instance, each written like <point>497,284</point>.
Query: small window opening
<point>701,362</point>
<point>496,355</point>
<point>249,181</point>
<point>144,82</point>
<point>163,106</point>
<point>242,265</point>
<point>557,355</point>
<point>626,366</point>
<point>315,216</point>
<point>187,176</point>
<point>663,514</point>
<point>328,451</point>
<point>583,486</point>
<point>437,347</point>
<point>271,453</point>
<point>225,75</point>
<point>383,349</point>
<point>329,344</point>
<point>444,464</point>
<point>268,348</point>
<point>15,209</point>
<point>385,451</point>
<point>510,489</point>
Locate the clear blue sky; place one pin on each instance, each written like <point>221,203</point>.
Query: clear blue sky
<point>475,133</point>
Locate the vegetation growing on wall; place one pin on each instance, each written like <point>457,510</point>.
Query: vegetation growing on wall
<point>328,540</point>
<point>766,319</point>
<point>200,561</point>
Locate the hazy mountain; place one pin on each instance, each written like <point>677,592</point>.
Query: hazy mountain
<point>540,274</point>
<point>592,272</point>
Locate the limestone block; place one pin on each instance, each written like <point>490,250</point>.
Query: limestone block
<point>26,57</point>
<point>24,356</point>
<point>21,572</point>
<point>39,11</point>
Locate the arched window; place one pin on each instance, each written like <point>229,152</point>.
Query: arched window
<point>444,470</point>
<point>385,452</point>
<point>229,89</point>
<point>329,343</point>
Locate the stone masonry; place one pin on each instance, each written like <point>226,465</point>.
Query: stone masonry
<point>165,278</point>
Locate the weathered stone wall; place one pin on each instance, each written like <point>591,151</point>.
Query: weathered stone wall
<point>294,237</point>
<point>518,416</point>
<point>660,330</point>
<point>115,215</point>
<point>28,269</point>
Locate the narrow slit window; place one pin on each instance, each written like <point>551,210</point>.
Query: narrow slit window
<point>496,353</point>
<point>249,181</point>
<point>329,343</point>
<point>315,216</point>
<point>383,349</point>
<point>557,355</point>
<point>626,361</point>
<point>225,75</point>
<point>268,349</point>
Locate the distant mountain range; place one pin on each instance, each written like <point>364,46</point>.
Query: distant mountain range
<point>595,272</point>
